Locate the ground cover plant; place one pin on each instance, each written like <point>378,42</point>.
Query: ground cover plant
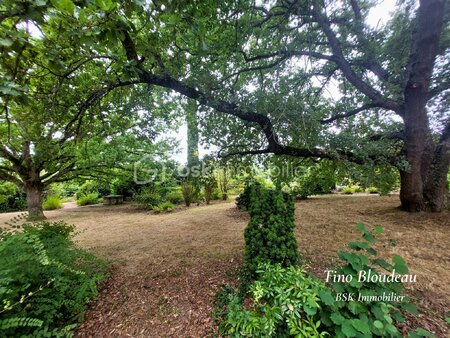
<point>46,281</point>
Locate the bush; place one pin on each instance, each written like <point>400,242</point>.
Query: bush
<point>372,190</point>
<point>11,198</point>
<point>188,191</point>
<point>45,281</point>
<point>348,191</point>
<point>91,187</point>
<point>284,303</point>
<point>148,197</point>
<point>269,236</point>
<point>52,203</point>
<point>371,318</point>
<point>165,206</point>
<point>175,196</point>
<point>88,199</point>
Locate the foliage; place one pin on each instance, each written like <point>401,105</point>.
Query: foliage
<point>52,202</point>
<point>316,179</point>
<point>175,196</point>
<point>90,187</point>
<point>284,300</point>
<point>88,199</point>
<point>369,317</point>
<point>269,236</point>
<point>348,190</point>
<point>11,197</point>
<point>284,303</point>
<point>149,196</point>
<point>45,280</point>
<point>372,190</point>
<point>188,190</point>
<point>164,206</point>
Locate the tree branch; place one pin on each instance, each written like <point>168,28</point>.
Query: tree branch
<point>349,113</point>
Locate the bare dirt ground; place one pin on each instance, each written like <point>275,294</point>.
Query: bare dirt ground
<point>166,268</point>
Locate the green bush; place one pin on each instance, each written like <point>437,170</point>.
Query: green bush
<point>52,203</point>
<point>148,197</point>
<point>91,187</point>
<point>165,206</point>
<point>11,198</point>
<point>372,190</point>
<point>269,236</point>
<point>348,191</point>
<point>88,199</point>
<point>368,318</point>
<point>175,196</point>
<point>188,191</point>
<point>284,303</point>
<point>46,282</point>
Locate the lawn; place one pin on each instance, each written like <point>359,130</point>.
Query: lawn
<point>166,268</point>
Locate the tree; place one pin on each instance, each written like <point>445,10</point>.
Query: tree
<point>60,118</point>
<point>210,52</point>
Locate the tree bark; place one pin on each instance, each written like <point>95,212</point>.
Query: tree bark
<point>34,193</point>
<point>424,48</point>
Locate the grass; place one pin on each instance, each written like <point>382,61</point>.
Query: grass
<point>52,203</point>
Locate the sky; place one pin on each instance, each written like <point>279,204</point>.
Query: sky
<point>378,16</point>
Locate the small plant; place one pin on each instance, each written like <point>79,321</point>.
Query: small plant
<point>148,197</point>
<point>348,191</point>
<point>52,203</point>
<point>166,206</point>
<point>88,199</point>
<point>372,190</point>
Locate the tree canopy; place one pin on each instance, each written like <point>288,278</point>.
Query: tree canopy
<point>262,73</point>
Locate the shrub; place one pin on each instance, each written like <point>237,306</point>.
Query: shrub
<point>91,187</point>
<point>188,191</point>
<point>148,197</point>
<point>165,206</point>
<point>52,203</point>
<point>243,199</point>
<point>11,198</point>
<point>357,188</point>
<point>269,236</point>
<point>175,196</point>
<point>372,190</point>
<point>348,191</point>
<point>88,199</point>
<point>284,303</point>
<point>45,281</point>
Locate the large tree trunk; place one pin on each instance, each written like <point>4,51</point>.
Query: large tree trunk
<point>423,53</point>
<point>34,193</point>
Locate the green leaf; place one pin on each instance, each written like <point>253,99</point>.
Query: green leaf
<point>378,229</point>
<point>419,333</point>
<point>337,319</point>
<point>348,330</point>
<point>361,326</point>
<point>378,324</point>
<point>326,297</point>
<point>399,264</point>
<point>66,6</point>
<point>411,308</point>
